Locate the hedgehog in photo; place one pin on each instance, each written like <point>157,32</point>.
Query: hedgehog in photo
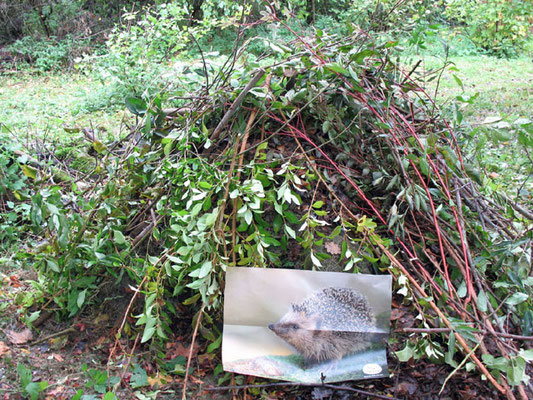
<point>328,325</point>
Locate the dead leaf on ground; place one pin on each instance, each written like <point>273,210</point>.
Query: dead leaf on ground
<point>332,248</point>
<point>20,337</point>
<point>59,342</point>
<point>3,349</point>
<point>15,282</point>
<point>158,379</point>
<point>101,318</point>
<point>178,349</point>
<point>58,357</point>
<point>396,313</point>
<point>196,380</point>
<point>58,393</point>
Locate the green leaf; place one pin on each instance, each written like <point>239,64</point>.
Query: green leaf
<point>205,185</point>
<point>215,345</point>
<point>499,135</point>
<point>205,269</point>
<point>527,323</point>
<point>24,374</point>
<point>359,58</point>
<point>448,357</point>
<point>81,298</point>
<point>424,166</point>
<point>34,388</point>
<point>318,204</point>
<point>459,82</point>
<point>148,333</point>
<point>248,216</point>
<point>99,146</point>
<point>52,264</point>
<point>30,172</point>
<point>71,130</point>
<point>516,371</point>
<point>516,299</point>
<point>316,261</point>
<point>290,231</point>
<point>406,354</point>
<point>499,363</point>
<point>139,377</point>
<point>196,284</point>
<point>337,68</point>
<point>118,237</point>
<point>482,301</point>
<point>110,396</point>
<point>136,106</point>
<point>526,354</point>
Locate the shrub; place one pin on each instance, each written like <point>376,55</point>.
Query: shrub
<point>389,15</point>
<point>141,48</point>
<point>13,188</point>
<point>48,54</point>
<point>499,26</point>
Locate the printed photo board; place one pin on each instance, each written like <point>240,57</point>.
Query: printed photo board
<point>306,326</point>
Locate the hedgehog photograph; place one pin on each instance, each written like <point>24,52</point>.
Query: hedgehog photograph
<point>331,326</point>
<point>328,325</point>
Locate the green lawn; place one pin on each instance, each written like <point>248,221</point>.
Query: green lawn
<point>42,106</point>
<point>504,90</point>
<point>505,87</point>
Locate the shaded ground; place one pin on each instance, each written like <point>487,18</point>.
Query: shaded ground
<point>77,361</point>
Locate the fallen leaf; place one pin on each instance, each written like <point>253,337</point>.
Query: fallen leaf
<point>80,326</point>
<point>491,120</point>
<point>159,380</point>
<point>195,380</point>
<point>332,248</point>
<point>101,318</point>
<point>52,394</point>
<point>58,342</point>
<point>101,340</point>
<point>178,349</point>
<point>3,348</point>
<point>58,357</point>
<point>14,281</point>
<point>20,337</point>
<point>396,313</point>
<point>406,388</point>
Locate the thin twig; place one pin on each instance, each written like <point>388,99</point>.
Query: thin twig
<point>53,335</point>
<point>445,330</point>
<point>191,349</point>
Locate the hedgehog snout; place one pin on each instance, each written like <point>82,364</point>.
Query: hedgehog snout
<point>271,326</point>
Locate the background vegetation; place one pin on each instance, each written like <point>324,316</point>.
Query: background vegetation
<point>399,131</point>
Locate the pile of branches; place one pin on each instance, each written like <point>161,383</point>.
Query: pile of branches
<point>379,148</point>
<point>259,164</point>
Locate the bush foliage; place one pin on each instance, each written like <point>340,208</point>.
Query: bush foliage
<point>498,26</point>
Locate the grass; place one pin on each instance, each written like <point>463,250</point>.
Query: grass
<point>42,106</point>
<point>494,89</point>
<point>505,86</point>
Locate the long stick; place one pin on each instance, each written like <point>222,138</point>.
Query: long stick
<point>184,393</point>
<point>224,121</point>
